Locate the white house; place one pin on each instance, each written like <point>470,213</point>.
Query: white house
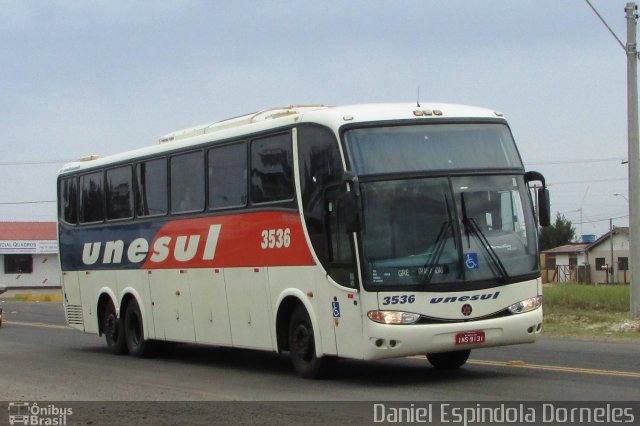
<point>564,263</point>
<point>608,257</point>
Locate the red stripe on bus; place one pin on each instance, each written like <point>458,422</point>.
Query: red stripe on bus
<point>252,239</point>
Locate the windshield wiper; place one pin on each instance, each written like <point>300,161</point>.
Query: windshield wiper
<point>437,252</point>
<point>471,227</point>
<point>440,243</point>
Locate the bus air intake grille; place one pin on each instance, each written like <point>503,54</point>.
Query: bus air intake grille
<point>74,314</point>
<point>429,320</point>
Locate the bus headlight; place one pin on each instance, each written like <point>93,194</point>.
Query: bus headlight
<point>526,305</point>
<point>393,317</point>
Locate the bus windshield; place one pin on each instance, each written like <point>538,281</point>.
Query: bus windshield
<point>431,147</point>
<point>428,231</point>
<point>439,224</point>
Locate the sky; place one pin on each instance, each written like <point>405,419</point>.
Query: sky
<point>102,77</point>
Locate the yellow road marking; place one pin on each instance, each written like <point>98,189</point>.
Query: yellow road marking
<point>38,324</point>
<point>521,364</point>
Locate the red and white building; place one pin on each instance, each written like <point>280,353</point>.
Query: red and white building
<point>29,255</point>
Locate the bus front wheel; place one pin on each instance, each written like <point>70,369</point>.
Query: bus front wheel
<point>449,360</point>
<point>113,330</point>
<point>302,346</point>
<point>137,345</point>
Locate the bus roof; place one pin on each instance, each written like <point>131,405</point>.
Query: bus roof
<point>272,118</point>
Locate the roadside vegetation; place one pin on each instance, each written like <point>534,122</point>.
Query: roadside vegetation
<point>588,311</point>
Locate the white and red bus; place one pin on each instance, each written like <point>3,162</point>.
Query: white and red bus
<point>363,232</point>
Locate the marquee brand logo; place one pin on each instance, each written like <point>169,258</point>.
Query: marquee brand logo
<point>181,248</point>
<point>451,299</point>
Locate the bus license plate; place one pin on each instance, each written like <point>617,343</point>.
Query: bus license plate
<point>470,338</point>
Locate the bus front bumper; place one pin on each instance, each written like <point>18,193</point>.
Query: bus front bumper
<point>390,341</point>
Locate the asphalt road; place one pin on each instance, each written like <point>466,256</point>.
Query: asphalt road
<point>43,360</point>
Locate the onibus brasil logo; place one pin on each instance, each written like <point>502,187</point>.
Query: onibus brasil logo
<point>29,414</point>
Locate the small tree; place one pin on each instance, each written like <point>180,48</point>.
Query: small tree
<point>559,233</point>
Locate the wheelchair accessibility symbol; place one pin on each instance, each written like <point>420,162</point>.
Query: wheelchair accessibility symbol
<point>335,307</point>
<point>471,261</point>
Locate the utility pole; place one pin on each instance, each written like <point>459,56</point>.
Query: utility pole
<point>634,156</point>
<point>611,269</point>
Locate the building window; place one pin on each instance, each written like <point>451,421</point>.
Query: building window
<point>623,264</point>
<point>18,264</point>
<point>600,262</point>
<point>551,261</point>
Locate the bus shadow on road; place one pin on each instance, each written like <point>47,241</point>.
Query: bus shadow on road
<point>405,371</point>
<point>399,371</point>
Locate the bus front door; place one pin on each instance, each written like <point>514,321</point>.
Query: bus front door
<point>346,311</point>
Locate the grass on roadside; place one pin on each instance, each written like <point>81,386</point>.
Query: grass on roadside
<point>588,311</point>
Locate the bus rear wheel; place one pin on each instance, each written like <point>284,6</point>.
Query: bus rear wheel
<point>113,330</point>
<point>302,346</point>
<point>137,345</point>
<point>449,360</point>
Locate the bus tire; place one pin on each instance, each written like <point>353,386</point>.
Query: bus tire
<point>302,348</point>
<point>113,330</point>
<point>449,360</point>
<point>134,332</point>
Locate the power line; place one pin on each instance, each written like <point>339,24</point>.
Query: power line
<point>581,161</point>
<point>34,162</point>
<point>26,202</point>
<point>606,25</point>
<point>603,220</point>
<point>587,181</point>
<point>532,163</point>
<point>578,222</point>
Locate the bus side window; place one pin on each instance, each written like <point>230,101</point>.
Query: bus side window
<point>151,180</point>
<point>187,182</point>
<point>271,169</point>
<point>320,166</point>
<point>119,193</point>
<point>91,198</point>
<point>228,176</point>
<point>69,200</point>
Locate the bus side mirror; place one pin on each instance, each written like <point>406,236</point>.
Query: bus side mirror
<point>544,207</point>
<point>350,208</point>
<point>350,211</point>
<point>543,201</point>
